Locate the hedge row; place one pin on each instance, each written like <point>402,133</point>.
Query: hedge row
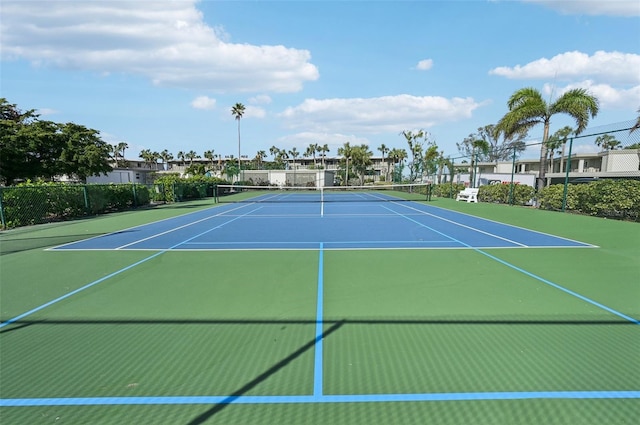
<point>498,193</point>
<point>35,203</point>
<point>173,188</point>
<point>605,198</point>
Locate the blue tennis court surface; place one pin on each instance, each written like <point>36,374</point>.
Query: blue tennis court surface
<point>334,225</point>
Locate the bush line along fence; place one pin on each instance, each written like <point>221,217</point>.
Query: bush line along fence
<point>29,204</point>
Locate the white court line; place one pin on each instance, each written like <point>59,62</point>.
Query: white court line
<point>185,225</point>
<point>463,225</point>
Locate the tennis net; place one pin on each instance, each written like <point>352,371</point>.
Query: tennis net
<point>373,193</point>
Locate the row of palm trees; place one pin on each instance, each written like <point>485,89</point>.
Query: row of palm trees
<point>527,108</point>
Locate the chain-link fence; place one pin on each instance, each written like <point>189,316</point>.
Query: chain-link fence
<point>605,156</point>
<point>26,205</point>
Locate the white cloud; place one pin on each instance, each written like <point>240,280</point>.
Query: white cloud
<point>167,42</point>
<point>261,99</point>
<point>614,67</point>
<point>593,7</point>
<point>46,111</point>
<point>203,102</point>
<point>377,115</point>
<point>609,97</point>
<point>425,65</point>
<point>254,112</point>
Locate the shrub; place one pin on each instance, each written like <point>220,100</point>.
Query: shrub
<point>604,198</point>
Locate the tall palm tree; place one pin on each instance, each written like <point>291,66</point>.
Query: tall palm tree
<point>384,150</point>
<point>346,151</point>
<point>324,149</point>
<point>527,108</point>
<point>237,111</point>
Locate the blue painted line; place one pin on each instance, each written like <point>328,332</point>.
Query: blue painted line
<point>67,295</point>
<point>318,360</point>
<point>312,399</point>
<point>521,270</point>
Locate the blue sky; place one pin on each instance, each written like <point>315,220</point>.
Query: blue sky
<point>164,74</point>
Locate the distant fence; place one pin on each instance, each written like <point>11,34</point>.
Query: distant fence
<point>29,204</point>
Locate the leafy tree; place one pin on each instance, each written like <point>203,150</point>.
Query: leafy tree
<point>231,170</point>
<point>31,148</point>
<point>498,150</point>
<point>527,108</point>
<point>84,153</point>
<point>423,161</point>
<point>479,148</point>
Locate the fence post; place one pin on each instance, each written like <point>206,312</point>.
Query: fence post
<point>86,199</point>
<point>135,195</point>
<point>513,169</point>
<point>2,220</point>
<point>566,177</point>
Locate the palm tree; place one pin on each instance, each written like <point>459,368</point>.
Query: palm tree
<point>324,149</point>
<point>361,156</point>
<point>259,159</point>
<point>311,151</point>
<point>210,156</point>
<point>397,157</point>
<point>384,150</point>
<point>346,151</point>
<point>558,140</point>
<point>527,109</point>
<point>607,142</point>
<point>181,156</point>
<point>637,124</point>
<point>237,111</point>
<point>165,156</point>
<point>118,151</point>
<point>191,155</point>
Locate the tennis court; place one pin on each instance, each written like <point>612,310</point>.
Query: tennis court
<point>291,307</point>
